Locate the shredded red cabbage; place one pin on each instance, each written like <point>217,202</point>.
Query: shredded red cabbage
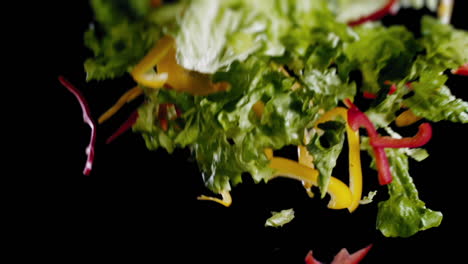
<point>87,119</point>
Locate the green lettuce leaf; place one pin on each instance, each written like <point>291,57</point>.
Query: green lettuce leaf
<point>325,149</point>
<point>446,47</point>
<point>279,219</point>
<point>434,101</point>
<point>216,33</point>
<point>119,39</point>
<point>389,55</point>
<point>404,214</point>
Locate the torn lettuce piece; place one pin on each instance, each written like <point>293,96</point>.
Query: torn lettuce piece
<point>389,55</point>
<point>325,149</point>
<point>120,39</point>
<point>369,198</point>
<point>445,46</point>
<point>434,101</point>
<point>403,214</point>
<point>214,34</point>
<point>279,219</point>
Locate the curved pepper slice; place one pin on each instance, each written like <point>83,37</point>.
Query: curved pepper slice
<point>226,198</point>
<point>422,137</point>
<point>144,73</point>
<point>127,97</point>
<point>357,119</point>
<point>340,194</point>
<point>355,171</point>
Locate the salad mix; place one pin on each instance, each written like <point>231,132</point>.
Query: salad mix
<point>237,80</point>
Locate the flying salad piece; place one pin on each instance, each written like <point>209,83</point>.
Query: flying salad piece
<point>236,80</point>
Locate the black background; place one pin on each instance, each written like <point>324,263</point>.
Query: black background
<point>141,205</point>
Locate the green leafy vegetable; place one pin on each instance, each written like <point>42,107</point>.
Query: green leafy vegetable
<point>388,57</point>
<point>404,214</point>
<point>279,219</point>
<point>126,39</point>
<point>286,62</point>
<point>434,101</point>
<point>325,149</point>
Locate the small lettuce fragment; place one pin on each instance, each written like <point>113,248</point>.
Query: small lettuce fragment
<point>278,219</point>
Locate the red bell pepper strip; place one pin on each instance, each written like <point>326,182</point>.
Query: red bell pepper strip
<point>422,137</point>
<point>310,259</point>
<point>124,127</point>
<point>358,119</point>
<point>376,15</point>
<point>463,70</point>
<point>87,119</point>
<point>369,95</point>
<point>343,257</point>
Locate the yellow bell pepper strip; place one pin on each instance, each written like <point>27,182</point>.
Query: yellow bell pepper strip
<point>355,171</point>
<point>144,73</point>
<point>406,118</point>
<point>340,194</point>
<point>226,198</point>
<point>306,159</point>
<point>127,97</point>
<point>268,153</point>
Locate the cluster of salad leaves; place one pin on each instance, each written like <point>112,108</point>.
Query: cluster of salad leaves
<point>264,48</point>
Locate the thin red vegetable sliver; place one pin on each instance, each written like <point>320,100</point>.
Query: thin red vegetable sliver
<point>343,257</point>
<point>421,138</point>
<point>124,127</point>
<point>369,95</point>
<point>376,15</point>
<point>87,119</point>
<point>358,119</point>
<point>309,259</point>
<point>463,70</point>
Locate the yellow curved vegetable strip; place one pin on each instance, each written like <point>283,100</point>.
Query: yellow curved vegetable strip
<point>268,153</point>
<point>226,198</point>
<point>406,118</point>
<point>306,159</point>
<point>144,74</point>
<point>340,194</point>
<point>355,171</point>
<point>125,98</point>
